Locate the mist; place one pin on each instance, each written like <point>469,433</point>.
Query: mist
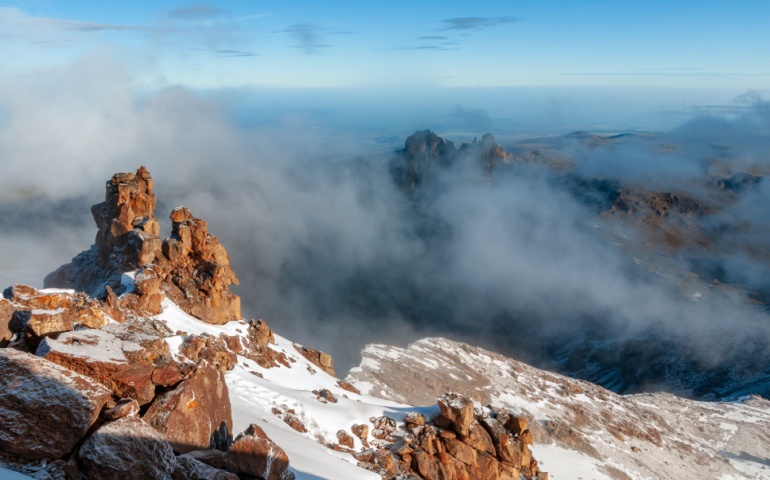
<point>334,255</point>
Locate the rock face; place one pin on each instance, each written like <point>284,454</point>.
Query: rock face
<point>191,267</point>
<point>198,274</point>
<point>190,414</point>
<point>45,410</point>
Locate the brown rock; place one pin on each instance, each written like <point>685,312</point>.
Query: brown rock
<point>253,453</point>
<point>362,432</point>
<point>42,323</point>
<point>6,313</point>
<point>124,366</point>
<point>460,451</point>
<point>124,408</point>
<point>414,419</point>
<point>350,388</point>
<point>147,281</point>
<point>198,275</point>
<point>188,415</point>
<point>503,442</point>
<point>127,449</point>
<point>480,439</point>
<point>458,410</point>
<point>429,466</point>
<point>320,359</point>
<point>260,334</point>
<point>213,350</point>
<point>325,395</point>
<point>345,439</point>
<point>64,406</point>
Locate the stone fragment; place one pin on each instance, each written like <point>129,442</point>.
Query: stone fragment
<point>124,408</point>
<point>345,439</point>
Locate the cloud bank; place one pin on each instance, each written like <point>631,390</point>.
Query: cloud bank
<point>325,244</point>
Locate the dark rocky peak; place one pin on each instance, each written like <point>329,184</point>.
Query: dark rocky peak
<point>425,154</point>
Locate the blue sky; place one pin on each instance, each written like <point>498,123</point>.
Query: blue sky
<point>630,56</point>
<point>703,44</point>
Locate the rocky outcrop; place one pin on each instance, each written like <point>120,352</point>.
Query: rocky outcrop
<point>190,414</point>
<point>197,276</point>
<point>45,410</point>
<point>128,230</point>
<point>35,315</point>
<point>461,443</point>
<point>190,266</point>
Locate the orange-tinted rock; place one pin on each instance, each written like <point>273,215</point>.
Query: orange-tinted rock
<point>127,235</point>
<point>188,415</point>
<point>198,276</point>
<point>345,439</point>
<point>253,453</point>
<point>322,360</point>
<point>6,313</point>
<point>362,432</point>
<point>42,323</point>
<point>458,410</point>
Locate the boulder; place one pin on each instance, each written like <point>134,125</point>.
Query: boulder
<point>45,410</point>
<point>458,410</point>
<point>253,453</point>
<point>127,449</point>
<point>123,357</point>
<point>190,414</point>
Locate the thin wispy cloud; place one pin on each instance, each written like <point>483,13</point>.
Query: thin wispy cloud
<point>196,12</point>
<point>476,23</point>
<point>229,53</point>
<point>308,37</point>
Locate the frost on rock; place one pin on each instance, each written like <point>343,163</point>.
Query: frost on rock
<point>127,449</point>
<point>45,410</point>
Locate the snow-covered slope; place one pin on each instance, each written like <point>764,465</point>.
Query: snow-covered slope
<point>254,395</point>
<point>591,432</point>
